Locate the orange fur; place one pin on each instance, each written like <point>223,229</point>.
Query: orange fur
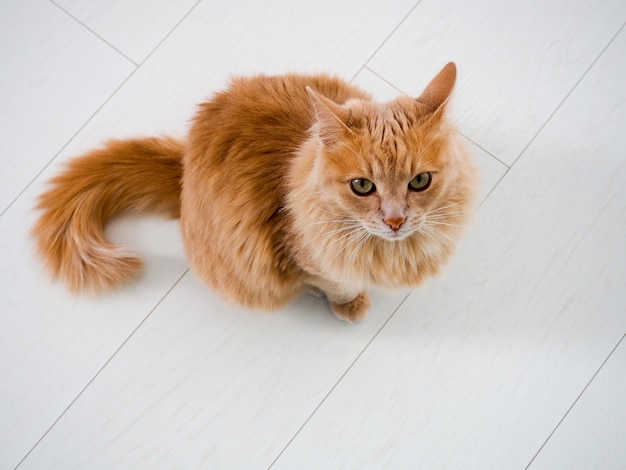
<point>134,175</point>
<point>266,205</point>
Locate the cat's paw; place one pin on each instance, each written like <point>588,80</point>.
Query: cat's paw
<point>354,310</point>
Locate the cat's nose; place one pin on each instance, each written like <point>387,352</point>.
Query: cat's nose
<point>395,222</point>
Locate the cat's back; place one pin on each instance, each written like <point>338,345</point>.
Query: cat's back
<point>263,114</point>
<point>285,95</point>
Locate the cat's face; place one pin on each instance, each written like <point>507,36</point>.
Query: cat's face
<point>380,192</point>
<point>389,170</point>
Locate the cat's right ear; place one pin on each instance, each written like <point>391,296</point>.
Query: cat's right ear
<point>331,117</point>
<point>437,92</point>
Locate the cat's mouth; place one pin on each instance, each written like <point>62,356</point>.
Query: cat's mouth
<point>397,236</point>
<point>391,235</point>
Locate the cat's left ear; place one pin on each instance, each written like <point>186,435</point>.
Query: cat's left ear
<point>331,117</point>
<point>436,94</point>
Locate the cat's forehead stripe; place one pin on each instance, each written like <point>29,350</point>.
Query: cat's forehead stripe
<point>388,127</point>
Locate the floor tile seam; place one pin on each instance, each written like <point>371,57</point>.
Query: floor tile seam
<point>169,33</point>
<point>373,72</point>
<point>336,384</point>
<point>495,186</point>
<point>491,154</point>
<point>77,20</point>
<point>567,96</point>
<point>106,363</point>
<point>580,395</point>
<point>547,121</point>
<point>380,46</point>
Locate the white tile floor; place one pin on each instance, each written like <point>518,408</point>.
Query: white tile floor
<point>514,358</point>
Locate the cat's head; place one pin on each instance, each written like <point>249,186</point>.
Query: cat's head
<point>393,169</point>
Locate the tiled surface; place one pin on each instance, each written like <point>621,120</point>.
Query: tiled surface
<point>199,379</point>
<point>494,354</point>
<point>134,28</point>
<point>517,60</point>
<point>592,434</point>
<point>497,364</point>
<point>51,67</point>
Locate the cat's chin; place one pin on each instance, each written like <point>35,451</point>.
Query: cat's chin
<point>392,236</point>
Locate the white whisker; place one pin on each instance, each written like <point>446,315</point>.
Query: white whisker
<point>350,234</point>
<point>355,236</point>
<point>437,235</point>
<point>334,214</point>
<point>445,207</point>
<point>444,215</point>
<point>430,223</point>
<point>333,221</point>
<point>426,231</point>
<point>331,233</point>
<point>355,153</point>
<point>365,237</point>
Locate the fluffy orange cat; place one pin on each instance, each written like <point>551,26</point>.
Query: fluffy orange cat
<point>284,184</point>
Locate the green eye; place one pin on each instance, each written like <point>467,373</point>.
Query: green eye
<point>421,182</point>
<point>362,187</point>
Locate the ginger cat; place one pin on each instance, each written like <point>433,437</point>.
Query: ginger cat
<point>284,184</point>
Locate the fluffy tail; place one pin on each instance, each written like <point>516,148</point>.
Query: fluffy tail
<point>126,175</point>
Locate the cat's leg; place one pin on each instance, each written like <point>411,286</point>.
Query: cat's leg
<point>347,304</point>
<point>355,309</point>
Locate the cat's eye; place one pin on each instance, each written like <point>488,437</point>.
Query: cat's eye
<point>421,182</point>
<point>362,187</point>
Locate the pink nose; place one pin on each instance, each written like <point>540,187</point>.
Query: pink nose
<point>395,222</point>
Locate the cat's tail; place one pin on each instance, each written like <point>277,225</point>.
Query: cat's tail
<point>124,176</point>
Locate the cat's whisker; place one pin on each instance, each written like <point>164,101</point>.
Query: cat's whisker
<point>426,231</point>
<point>437,235</point>
<point>357,235</point>
<point>425,148</point>
<point>366,237</point>
<point>431,223</point>
<point>445,207</point>
<point>439,136</point>
<point>349,234</point>
<point>444,215</point>
<point>340,230</point>
<point>354,152</point>
<point>334,214</point>
<point>333,221</point>
<point>331,233</point>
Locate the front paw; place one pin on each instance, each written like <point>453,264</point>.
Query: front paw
<point>354,310</point>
